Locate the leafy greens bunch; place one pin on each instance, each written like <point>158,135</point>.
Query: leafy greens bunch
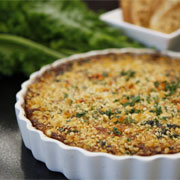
<point>34,33</point>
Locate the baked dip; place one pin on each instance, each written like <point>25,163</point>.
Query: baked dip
<point>118,103</point>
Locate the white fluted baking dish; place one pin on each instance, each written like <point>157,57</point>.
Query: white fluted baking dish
<point>77,163</point>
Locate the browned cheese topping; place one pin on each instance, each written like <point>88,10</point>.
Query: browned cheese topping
<point>116,103</point>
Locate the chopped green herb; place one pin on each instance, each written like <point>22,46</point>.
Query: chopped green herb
<point>65,95</point>
<point>75,87</point>
<point>165,107</point>
<point>153,90</point>
<point>114,92</point>
<point>178,83</point>
<point>171,87</point>
<point>138,81</point>
<point>123,73</point>
<point>127,152</point>
<point>116,131</point>
<point>128,73</point>
<point>132,111</point>
<point>131,73</point>
<point>156,84</point>
<point>61,129</point>
<point>138,111</point>
<point>81,114</point>
<point>127,104</point>
<point>77,106</point>
<point>164,98</point>
<point>134,100</point>
<point>156,99</point>
<point>128,97</point>
<point>128,139</point>
<point>108,113</point>
<point>117,112</point>
<point>126,112</point>
<point>68,120</point>
<point>129,120</point>
<point>71,101</point>
<point>105,74</point>
<point>158,110</point>
<point>116,100</point>
<point>164,118</point>
<point>57,80</point>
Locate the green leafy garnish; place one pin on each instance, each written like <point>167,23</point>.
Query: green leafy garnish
<point>129,74</point>
<point>134,100</point>
<point>129,120</point>
<point>116,131</point>
<point>171,87</point>
<point>48,30</point>
<point>21,55</point>
<point>61,129</point>
<point>81,114</point>
<point>132,111</point>
<point>105,74</point>
<point>148,99</point>
<point>164,118</point>
<point>116,100</point>
<point>108,113</point>
<point>128,139</point>
<point>66,95</point>
<point>158,110</point>
<point>138,81</point>
<point>123,73</point>
<point>128,104</point>
<point>156,84</point>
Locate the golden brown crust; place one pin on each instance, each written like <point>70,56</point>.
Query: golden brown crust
<point>116,103</point>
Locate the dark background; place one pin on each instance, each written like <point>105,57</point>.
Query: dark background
<point>17,162</point>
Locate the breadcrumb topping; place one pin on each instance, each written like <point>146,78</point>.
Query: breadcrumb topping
<point>116,103</point>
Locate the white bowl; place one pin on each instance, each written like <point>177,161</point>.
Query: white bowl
<point>77,163</point>
<point>150,38</point>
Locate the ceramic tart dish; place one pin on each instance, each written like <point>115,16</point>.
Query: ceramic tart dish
<point>108,114</point>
